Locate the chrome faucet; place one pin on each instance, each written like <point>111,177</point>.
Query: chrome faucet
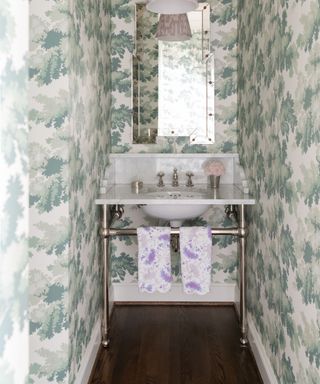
<point>175,182</point>
<point>189,182</point>
<point>160,183</point>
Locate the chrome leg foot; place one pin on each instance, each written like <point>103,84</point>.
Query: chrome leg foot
<point>105,341</point>
<point>243,340</point>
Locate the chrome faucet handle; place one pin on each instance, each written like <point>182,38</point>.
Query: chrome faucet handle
<point>175,182</point>
<point>189,182</point>
<point>160,183</point>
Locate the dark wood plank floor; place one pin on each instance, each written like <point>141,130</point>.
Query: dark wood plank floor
<point>175,345</point>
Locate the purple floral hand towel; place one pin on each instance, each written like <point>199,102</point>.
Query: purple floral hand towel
<point>154,262</point>
<point>195,250</point>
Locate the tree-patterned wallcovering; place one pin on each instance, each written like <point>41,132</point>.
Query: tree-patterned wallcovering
<point>69,119</point>
<point>13,192</point>
<point>69,122</point>
<point>224,37</point>
<point>90,91</point>
<point>279,126</point>
<point>49,191</point>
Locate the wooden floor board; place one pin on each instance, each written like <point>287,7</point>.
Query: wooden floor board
<point>175,345</point>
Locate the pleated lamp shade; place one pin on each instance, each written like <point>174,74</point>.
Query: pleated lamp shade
<point>173,28</point>
<point>172,7</point>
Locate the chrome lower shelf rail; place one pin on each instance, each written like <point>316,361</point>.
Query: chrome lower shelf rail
<point>113,232</point>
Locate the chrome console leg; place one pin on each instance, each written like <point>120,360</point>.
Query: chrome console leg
<point>105,315</point>
<point>243,303</point>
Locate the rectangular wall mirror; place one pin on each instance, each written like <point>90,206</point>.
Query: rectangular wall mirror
<point>172,81</point>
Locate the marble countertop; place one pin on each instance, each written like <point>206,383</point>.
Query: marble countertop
<point>199,194</point>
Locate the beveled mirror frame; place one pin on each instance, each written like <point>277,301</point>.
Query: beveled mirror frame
<point>208,127</point>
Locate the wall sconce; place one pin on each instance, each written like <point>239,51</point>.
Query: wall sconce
<point>172,7</point>
<point>174,28</point>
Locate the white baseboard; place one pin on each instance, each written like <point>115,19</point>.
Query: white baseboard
<point>130,292</point>
<point>260,355</point>
<point>89,356</point>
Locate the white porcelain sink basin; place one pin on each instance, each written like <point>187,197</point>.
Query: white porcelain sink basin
<point>175,213</point>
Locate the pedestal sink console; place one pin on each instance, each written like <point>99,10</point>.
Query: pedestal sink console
<point>174,205</point>
<point>175,189</point>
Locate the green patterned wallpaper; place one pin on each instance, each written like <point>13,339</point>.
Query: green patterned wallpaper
<point>48,195</point>
<point>69,116</point>
<point>90,114</point>
<point>69,111</point>
<point>279,137</point>
<point>224,36</point>
<point>13,192</point>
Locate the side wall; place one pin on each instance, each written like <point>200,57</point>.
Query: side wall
<point>13,192</point>
<point>279,137</point>
<point>90,88</point>
<point>69,121</point>
<point>49,191</point>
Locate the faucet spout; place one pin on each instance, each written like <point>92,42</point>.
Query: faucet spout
<point>175,182</point>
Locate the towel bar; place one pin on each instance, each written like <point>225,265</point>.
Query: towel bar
<point>112,232</point>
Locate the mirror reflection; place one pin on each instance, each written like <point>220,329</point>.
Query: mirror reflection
<point>173,81</point>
